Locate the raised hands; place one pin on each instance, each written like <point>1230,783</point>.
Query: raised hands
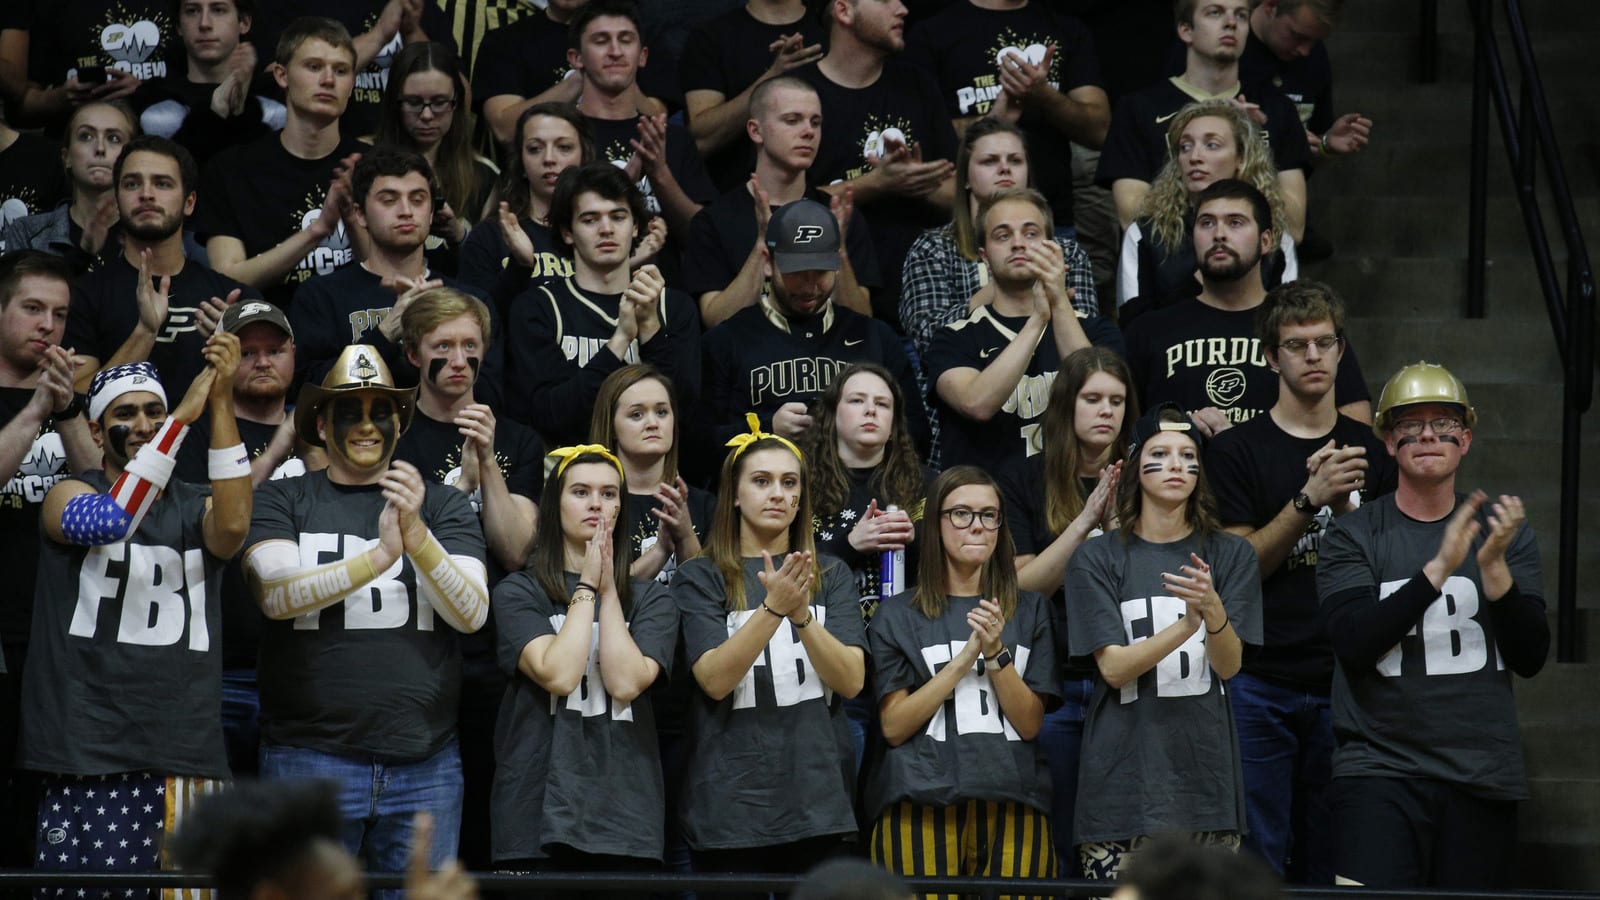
<point>1505,517</point>
<point>404,490</point>
<point>788,586</point>
<point>879,530</point>
<point>1098,509</point>
<point>1335,472</point>
<point>644,296</point>
<point>151,296</point>
<point>518,244</point>
<point>905,173</point>
<point>449,883</point>
<point>1348,134</point>
<point>1193,586</point>
<point>673,514</point>
<point>53,394</point>
<point>791,52</point>
<point>655,237</point>
<point>1021,78</point>
<point>987,624</point>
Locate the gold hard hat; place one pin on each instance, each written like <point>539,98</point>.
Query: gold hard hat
<point>1421,382</point>
<point>358,368</point>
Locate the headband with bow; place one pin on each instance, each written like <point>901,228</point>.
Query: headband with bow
<point>742,442</point>
<point>565,456</point>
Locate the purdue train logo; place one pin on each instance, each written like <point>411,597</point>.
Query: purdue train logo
<point>363,369</point>
<point>1225,387</point>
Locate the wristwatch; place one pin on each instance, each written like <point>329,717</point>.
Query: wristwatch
<point>1002,659</point>
<point>73,410</point>
<point>1302,503</point>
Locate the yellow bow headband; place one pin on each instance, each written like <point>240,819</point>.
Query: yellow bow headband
<point>742,442</point>
<point>567,454</point>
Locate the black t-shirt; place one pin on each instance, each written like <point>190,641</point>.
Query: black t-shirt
<point>556,355</point>
<point>760,359</point>
<point>43,465</point>
<point>105,311</point>
<point>611,137</point>
<point>968,750</point>
<point>727,54</point>
<point>486,264</point>
<point>1306,80</point>
<point>1198,356</point>
<point>261,194</point>
<point>376,674</point>
<point>1136,146</point>
<point>1254,470</point>
<point>180,109</point>
<point>721,235</point>
<point>1163,275</point>
<point>522,59</point>
<point>669,696</point>
<point>903,104</point>
<point>31,179</point>
<point>961,46</point>
<point>772,762</point>
<point>242,619</point>
<point>832,528</point>
<point>584,770</point>
<point>125,659</point>
<point>139,37</point>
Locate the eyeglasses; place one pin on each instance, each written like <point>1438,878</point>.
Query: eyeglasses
<point>438,105</point>
<point>1298,346</point>
<point>1413,427</point>
<point>961,517</point>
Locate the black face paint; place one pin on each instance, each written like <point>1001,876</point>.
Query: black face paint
<point>1192,469</point>
<point>1411,439</point>
<point>437,365</point>
<point>117,437</point>
<point>1151,468</point>
<point>348,414</point>
<point>1449,439</point>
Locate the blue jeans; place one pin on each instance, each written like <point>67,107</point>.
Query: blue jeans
<point>241,720</point>
<point>379,800</point>
<point>1061,737</point>
<point>1286,745</point>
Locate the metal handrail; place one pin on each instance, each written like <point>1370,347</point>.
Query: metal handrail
<point>1529,138</point>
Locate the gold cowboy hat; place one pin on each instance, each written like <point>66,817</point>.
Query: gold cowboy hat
<point>358,368</point>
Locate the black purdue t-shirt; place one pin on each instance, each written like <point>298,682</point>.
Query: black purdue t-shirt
<point>968,750</point>
<point>727,54</point>
<point>522,59</point>
<point>378,673</point>
<point>105,311</point>
<point>42,466</point>
<point>125,660</point>
<point>261,194</point>
<point>772,762</point>
<point>180,109</point>
<point>962,46</point>
<point>1136,146</point>
<point>1197,356</point>
<point>1254,470</point>
<point>486,263</point>
<point>139,37</point>
<point>31,179</point>
<point>584,770</point>
<point>611,137</point>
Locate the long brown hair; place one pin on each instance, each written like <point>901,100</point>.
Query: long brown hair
<point>1063,451</point>
<point>1169,201</point>
<point>898,479</point>
<point>964,230</point>
<point>603,421</point>
<point>722,544</point>
<point>547,563</point>
<point>1201,509</point>
<point>514,188</point>
<point>998,580</point>
<point>455,165</point>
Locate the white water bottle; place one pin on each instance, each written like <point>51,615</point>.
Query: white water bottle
<point>891,568</point>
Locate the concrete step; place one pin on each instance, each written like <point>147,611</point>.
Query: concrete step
<point>1557,866</point>
<point>1427,287</point>
<point>1562,811</point>
<point>1479,351</point>
<point>1423,165</point>
<point>1390,57</point>
<point>1400,16</point>
<point>1436,226</point>
<point>1545,699</point>
<point>1443,111</point>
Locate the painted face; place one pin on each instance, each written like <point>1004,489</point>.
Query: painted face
<point>266,363</point>
<point>1010,229</point>
<point>32,322</point>
<point>96,139</point>
<point>1432,454</point>
<point>1307,368</point>
<point>1219,30</point>
<point>1227,240</point>
<point>1097,416</point>
<point>450,355</point>
<point>360,429</point>
<point>602,231</point>
<point>998,161</point>
<point>1169,467</point>
<point>150,196</point>
<point>644,420</point>
<point>427,107</point>
<point>609,54</point>
<point>880,24</point>
<point>791,128</point>
<point>768,490</point>
<point>318,80</point>
<point>865,416</point>
<point>589,492</point>
<point>210,29</point>
<point>974,544</point>
<point>128,424</point>
<point>1292,35</point>
<point>1208,152</point>
<point>398,211</point>
<point>550,146</point>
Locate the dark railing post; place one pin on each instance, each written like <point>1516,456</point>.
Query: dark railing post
<point>1428,42</point>
<point>1478,192</point>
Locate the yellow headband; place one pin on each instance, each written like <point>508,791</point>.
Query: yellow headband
<point>567,454</point>
<point>742,442</point>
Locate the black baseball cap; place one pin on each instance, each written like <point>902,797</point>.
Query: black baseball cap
<point>249,312</point>
<point>804,237</point>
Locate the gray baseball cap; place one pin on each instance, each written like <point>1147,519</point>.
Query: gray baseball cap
<point>803,237</point>
<point>249,312</point>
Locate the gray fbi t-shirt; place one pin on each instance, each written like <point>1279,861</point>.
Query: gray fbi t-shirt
<point>1161,753</point>
<point>772,762</point>
<point>1439,703</point>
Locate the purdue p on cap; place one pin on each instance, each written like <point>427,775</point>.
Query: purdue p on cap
<point>803,237</point>
<point>249,312</point>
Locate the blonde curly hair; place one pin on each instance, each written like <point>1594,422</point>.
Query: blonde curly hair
<point>1169,201</point>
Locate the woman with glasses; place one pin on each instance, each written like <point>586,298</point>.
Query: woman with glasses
<point>964,670</point>
<point>1163,606</point>
<point>773,636</point>
<point>422,111</point>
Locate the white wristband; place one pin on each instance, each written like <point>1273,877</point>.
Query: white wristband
<point>228,462</point>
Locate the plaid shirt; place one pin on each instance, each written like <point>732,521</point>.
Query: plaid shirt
<point>937,283</point>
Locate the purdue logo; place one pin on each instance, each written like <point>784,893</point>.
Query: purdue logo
<point>1225,387</point>
<point>363,369</point>
<point>253,308</point>
<point>805,234</point>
